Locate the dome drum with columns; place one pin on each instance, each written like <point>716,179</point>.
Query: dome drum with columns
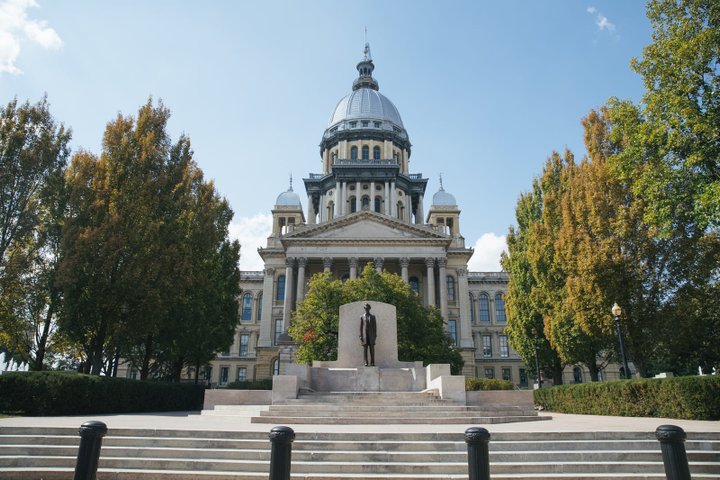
<point>366,206</point>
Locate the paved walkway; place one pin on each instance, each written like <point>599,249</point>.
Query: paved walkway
<point>194,421</point>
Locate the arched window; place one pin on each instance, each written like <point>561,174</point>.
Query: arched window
<point>378,204</point>
<point>376,153</point>
<point>246,307</point>
<point>499,308</point>
<point>353,204</point>
<point>259,309</point>
<point>577,375</point>
<point>472,308</point>
<point>353,153</point>
<point>450,282</point>
<point>276,366</point>
<point>280,292</point>
<point>452,331</point>
<point>484,307</point>
<point>365,152</point>
<point>365,203</point>
<point>414,284</point>
<point>330,210</point>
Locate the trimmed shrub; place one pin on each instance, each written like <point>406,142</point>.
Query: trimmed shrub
<point>264,384</point>
<point>70,393</point>
<point>691,398</point>
<point>473,384</point>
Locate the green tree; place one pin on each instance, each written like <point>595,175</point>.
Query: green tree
<point>672,139</point>
<point>421,333</point>
<point>33,156</point>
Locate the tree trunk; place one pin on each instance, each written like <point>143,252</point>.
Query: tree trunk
<point>594,371</point>
<point>557,370</point>
<point>42,343</point>
<point>97,352</point>
<point>145,369</point>
<point>176,371</point>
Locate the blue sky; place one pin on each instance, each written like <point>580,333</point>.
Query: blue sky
<point>487,90</point>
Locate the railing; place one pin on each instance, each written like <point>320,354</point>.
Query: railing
<point>671,438</point>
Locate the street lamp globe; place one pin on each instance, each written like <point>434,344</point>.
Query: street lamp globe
<point>616,310</point>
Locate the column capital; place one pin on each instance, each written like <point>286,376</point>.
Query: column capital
<point>289,262</point>
<point>404,262</point>
<point>461,272</point>
<point>442,262</point>
<point>353,261</point>
<point>429,262</point>
<point>269,271</point>
<point>327,262</point>
<point>302,261</point>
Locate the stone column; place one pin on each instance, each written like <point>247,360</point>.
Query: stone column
<point>287,305</point>
<point>301,278</point>
<point>321,207</point>
<point>358,204</point>
<point>336,209</point>
<point>378,261</point>
<point>341,199</point>
<point>327,263</point>
<point>465,340</point>
<point>311,211</point>
<point>442,278</point>
<point>404,264</point>
<point>393,200</point>
<point>419,216</point>
<point>430,264</point>
<point>353,267</point>
<point>266,320</point>
<point>387,198</point>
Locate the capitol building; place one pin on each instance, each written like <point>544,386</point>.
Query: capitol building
<point>367,206</point>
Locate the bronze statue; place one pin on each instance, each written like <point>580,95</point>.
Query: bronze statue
<point>368,333</point>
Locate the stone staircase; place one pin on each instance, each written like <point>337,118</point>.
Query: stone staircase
<point>148,454</point>
<point>380,408</point>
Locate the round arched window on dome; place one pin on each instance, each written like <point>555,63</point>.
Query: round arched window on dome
<point>376,153</point>
<point>365,152</point>
<point>353,153</point>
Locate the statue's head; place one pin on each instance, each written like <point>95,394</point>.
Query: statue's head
<point>367,307</point>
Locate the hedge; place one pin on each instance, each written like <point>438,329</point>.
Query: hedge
<point>692,398</point>
<point>70,393</point>
<point>473,384</point>
<point>264,384</point>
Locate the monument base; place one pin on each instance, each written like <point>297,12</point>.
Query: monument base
<point>368,379</point>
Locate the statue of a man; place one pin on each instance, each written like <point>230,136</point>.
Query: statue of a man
<point>368,333</point>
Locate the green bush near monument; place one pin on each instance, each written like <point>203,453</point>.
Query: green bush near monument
<point>691,398</point>
<point>474,384</point>
<point>263,384</point>
<point>70,393</point>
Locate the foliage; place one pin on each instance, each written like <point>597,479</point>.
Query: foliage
<point>694,398</point>
<point>473,384</point>
<point>70,393</point>
<point>263,384</point>
<point>33,155</point>
<point>421,333</point>
<point>147,271</point>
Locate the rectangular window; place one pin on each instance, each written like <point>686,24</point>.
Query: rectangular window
<point>246,313</point>
<point>208,373</point>
<point>489,372</point>
<point>523,378</point>
<point>504,349</point>
<point>507,374</point>
<point>224,372</point>
<point>244,345</point>
<point>242,374</point>
<point>487,346</point>
<point>133,373</point>
<point>484,304</point>
<point>225,353</point>
<point>278,330</point>
<point>452,331</point>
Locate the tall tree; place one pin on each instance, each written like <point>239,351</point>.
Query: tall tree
<point>33,156</point>
<point>421,334</point>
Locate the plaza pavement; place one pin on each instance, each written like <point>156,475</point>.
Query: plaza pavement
<point>241,422</point>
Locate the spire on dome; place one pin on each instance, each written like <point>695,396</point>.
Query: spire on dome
<point>441,185</point>
<point>365,68</point>
<point>290,189</point>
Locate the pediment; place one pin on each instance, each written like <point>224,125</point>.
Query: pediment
<point>366,226</point>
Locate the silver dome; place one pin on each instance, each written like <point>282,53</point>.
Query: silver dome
<point>444,199</point>
<point>366,103</point>
<point>288,199</point>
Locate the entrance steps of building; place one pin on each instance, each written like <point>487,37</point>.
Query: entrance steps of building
<point>148,454</point>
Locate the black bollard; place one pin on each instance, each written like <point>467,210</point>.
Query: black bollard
<point>91,434</point>
<point>281,439</point>
<point>477,439</point>
<point>672,443</point>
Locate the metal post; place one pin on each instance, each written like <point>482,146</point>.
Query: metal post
<point>622,347</point>
<point>281,439</point>
<point>537,366</point>
<point>672,443</point>
<point>477,439</point>
<point>91,434</point>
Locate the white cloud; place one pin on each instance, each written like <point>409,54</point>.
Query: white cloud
<point>601,20</point>
<point>16,27</point>
<point>252,232</point>
<point>487,253</point>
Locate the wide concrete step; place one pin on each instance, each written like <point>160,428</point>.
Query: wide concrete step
<point>391,411</point>
<point>349,420</point>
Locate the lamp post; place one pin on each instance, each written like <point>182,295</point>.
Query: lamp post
<point>617,311</point>
<point>537,358</point>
